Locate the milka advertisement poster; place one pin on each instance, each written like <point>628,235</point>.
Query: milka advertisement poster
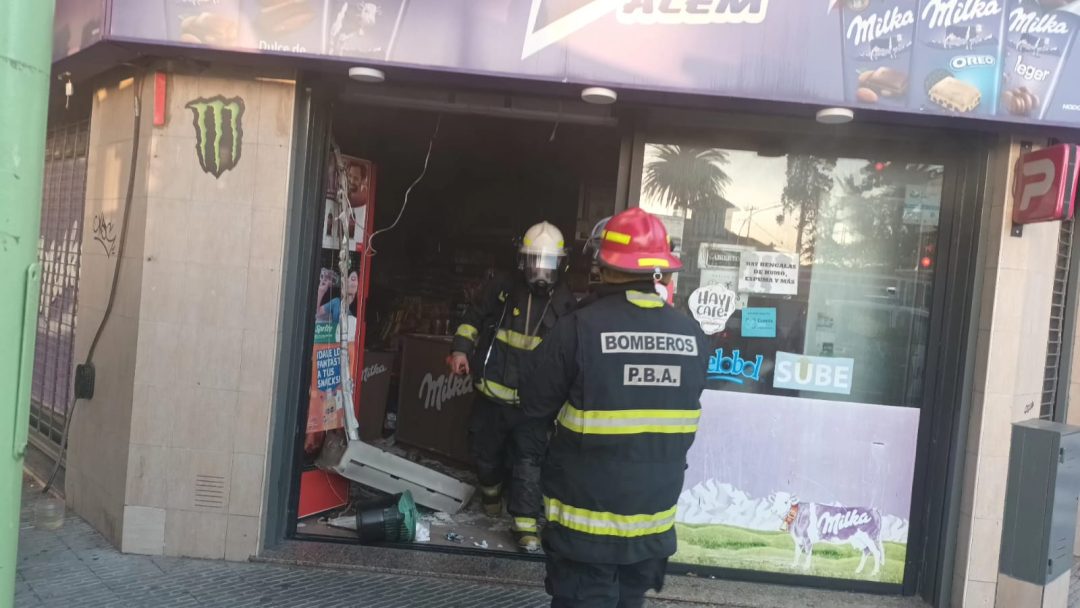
<point>799,486</point>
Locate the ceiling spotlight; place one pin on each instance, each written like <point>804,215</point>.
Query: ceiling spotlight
<point>599,96</point>
<point>371,75</point>
<point>835,116</point>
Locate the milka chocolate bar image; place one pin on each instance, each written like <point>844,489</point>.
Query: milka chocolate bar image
<point>209,28</point>
<point>887,82</point>
<point>955,95</point>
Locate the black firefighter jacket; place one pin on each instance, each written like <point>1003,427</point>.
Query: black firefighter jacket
<point>622,376</point>
<point>500,331</point>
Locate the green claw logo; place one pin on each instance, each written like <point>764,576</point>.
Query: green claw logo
<point>219,132</point>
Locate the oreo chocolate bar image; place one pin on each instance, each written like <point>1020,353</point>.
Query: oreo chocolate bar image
<point>956,95</point>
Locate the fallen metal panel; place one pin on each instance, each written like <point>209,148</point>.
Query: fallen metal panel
<point>379,469</point>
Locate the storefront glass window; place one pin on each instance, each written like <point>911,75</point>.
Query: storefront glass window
<point>812,277</point>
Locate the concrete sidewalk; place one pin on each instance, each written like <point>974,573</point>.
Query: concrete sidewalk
<point>75,566</point>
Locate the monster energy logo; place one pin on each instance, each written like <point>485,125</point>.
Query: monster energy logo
<point>219,132</point>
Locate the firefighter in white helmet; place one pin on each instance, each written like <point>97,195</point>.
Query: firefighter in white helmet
<point>492,342</point>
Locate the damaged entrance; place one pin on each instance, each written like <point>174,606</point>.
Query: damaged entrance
<point>438,187</point>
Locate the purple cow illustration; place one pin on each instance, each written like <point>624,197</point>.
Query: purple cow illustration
<point>810,523</point>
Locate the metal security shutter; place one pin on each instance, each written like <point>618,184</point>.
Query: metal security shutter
<point>59,252</point>
<point>1059,340</point>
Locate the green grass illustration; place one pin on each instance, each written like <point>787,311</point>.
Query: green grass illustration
<point>731,547</point>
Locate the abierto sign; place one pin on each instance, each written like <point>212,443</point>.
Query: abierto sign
<point>1044,184</point>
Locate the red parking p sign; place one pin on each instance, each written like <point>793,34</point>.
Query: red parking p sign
<point>1044,184</point>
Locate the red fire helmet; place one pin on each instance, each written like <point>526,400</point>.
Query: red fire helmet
<point>636,241</point>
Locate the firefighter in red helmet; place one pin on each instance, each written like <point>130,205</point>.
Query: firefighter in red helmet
<point>621,377</point>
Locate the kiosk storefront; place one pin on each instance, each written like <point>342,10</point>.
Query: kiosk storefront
<point>832,265</point>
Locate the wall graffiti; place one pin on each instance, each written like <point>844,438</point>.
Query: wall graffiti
<point>219,132</point>
<point>105,233</point>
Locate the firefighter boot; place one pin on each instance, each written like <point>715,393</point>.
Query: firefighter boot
<point>491,499</point>
<point>526,533</point>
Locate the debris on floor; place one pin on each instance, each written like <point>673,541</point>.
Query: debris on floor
<point>345,522</point>
<point>482,544</point>
<point>454,537</point>
<point>423,532</point>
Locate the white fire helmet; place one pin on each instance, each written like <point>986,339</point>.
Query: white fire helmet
<point>542,255</point>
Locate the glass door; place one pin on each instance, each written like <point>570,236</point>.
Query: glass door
<point>809,267</point>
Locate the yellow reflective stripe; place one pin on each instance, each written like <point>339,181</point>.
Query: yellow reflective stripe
<point>524,524</point>
<point>657,262</point>
<point>468,332</point>
<point>502,296</point>
<point>628,422</point>
<point>497,391</point>
<point>617,237</point>
<point>644,300</point>
<point>602,523</point>
<point>518,340</point>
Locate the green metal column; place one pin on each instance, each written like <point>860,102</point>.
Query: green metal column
<point>25,58</point>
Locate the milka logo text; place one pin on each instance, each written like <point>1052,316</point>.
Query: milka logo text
<point>373,370</point>
<point>864,29</point>
<point>434,392</point>
<point>833,524</point>
<point>1024,22</point>
<point>945,13</point>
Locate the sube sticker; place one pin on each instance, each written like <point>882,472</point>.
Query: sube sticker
<point>818,374</point>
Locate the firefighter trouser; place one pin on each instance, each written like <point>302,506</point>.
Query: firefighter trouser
<point>580,585</point>
<point>504,440</point>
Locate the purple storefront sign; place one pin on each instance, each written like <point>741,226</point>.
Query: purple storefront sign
<point>934,56</point>
<point>78,24</point>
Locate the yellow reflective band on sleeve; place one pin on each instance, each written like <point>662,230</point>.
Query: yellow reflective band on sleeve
<point>617,237</point>
<point>502,296</point>
<point>518,340</point>
<point>468,332</point>
<point>602,523</point>
<point>628,422</point>
<point>497,391</point>
<point>644,300</point>
<point>656,262</point>
<point>524,524</point>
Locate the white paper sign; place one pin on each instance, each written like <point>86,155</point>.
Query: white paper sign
<point>712,306</point>
<point>773,273</point>
<point>727,277</point>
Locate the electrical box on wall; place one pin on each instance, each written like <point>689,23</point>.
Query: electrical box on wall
<point>1041,501</point>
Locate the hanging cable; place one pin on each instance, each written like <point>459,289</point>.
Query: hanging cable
<point>344,397</point>
<point>431,144</point>
<point>128,196</point>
